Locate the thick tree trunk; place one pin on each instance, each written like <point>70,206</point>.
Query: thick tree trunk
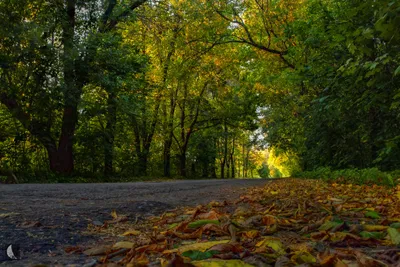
<point>182,164</point>
<point>222,170</point>
<point>61,160</point>
<point>205,169</point>
<point>143,160</point>
<point>167,157</point>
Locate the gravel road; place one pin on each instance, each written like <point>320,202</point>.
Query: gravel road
<point>43,219</point>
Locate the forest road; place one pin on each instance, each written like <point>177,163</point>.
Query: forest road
<point>44,219</point>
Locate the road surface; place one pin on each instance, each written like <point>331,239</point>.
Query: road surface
<point>43,219</point>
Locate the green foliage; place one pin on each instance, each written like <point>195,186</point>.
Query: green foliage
<point>198,90</point>
<point>357,176</point>
<point>264,171</point>
<point>199,255</point>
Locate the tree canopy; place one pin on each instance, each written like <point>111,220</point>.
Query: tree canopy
<point>198,88</point>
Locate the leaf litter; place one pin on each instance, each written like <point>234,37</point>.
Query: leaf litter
<point>288,222</point>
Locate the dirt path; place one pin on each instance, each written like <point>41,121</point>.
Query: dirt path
<point>44,219</point>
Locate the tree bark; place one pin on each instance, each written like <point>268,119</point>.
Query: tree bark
<point>143,161</point>
<point>109,134</point>
<point>182,164</point>
<point>167,157</point>
<point>62,160</point>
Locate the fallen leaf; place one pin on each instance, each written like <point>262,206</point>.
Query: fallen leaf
<point>374,235</point>
<point>96,251</point>
<point>5,215</point>
<point>374,228</point>
<point>227,247</point>
<point>250,234</point>
<point>394,236</point>
<point>301,257</point>
<point>151,247</point>
<point>199,255</point>
<point>395,225</point>
<point>212,215</point>
<point>372,214</point>
<point>114,214</point>
<point>124,244</point>
<point>131,233</point>
<point>273,243</point>
<point>73,249</point>
<point>329,225</point>
<point>196,234</point>
<point>269,220</point>
<point>196,246</point>
<point>199,223</point>
<point>221,263</point>
<point>140,260</point>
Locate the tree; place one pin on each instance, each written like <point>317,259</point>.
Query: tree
<point>47,50</point>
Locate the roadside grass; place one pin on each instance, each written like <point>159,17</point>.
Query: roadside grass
<point>355,176</point>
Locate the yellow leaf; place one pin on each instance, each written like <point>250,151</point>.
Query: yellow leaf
<point>196,246</point>
<point>124,244</point>
<point>5,215</point>
<point>221,263</point>
<point>251,234</point>
<point>132,233</point>
<point>273,243</point>
<point>301,257</point>
<point>114,214</point>
<point>374,228</point>
<point>96,251</point>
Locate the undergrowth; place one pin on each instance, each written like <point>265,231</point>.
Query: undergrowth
<point>355,176</point>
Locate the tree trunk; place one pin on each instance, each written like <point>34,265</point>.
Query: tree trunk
<point>233,158</point>
<point>222,169</point>
<point>212,163</point>
<point>224,161</point>
<point>167,157</point>
<point>143,160</point>
<point>62,160</point>
<point>109,135</point>
<point>233,167</point>
<point>182,164</point>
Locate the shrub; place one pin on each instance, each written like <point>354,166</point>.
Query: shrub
<point>356,176</point>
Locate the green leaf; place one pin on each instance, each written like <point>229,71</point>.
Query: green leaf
<point>374,235</point>
<point>372,214</point>
<point>170,226</point>
<point>329,225</point>
<point>200,223</point>
<point>199,255</point>
<point>394,236</point>
<point>395,225</point>
<point>397,71</point>
<point>221,263</point>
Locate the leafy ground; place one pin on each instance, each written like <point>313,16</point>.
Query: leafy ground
<point>286,223</point>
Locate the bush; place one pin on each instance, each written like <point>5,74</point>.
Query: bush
<point>263,171</point>
<point>356,176</point>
